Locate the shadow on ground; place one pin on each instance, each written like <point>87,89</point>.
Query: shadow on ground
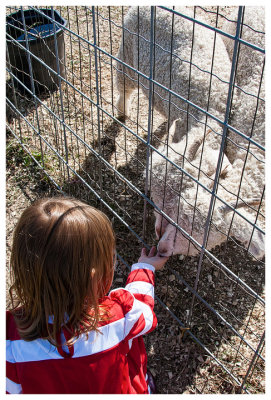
<point>177,362</point>
<point>175,359</point>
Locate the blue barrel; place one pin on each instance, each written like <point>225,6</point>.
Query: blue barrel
<point>41,40</point>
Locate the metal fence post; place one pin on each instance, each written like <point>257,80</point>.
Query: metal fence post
<point>220,158</point>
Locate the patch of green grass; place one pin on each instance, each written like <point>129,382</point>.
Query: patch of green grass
<point>17,155</point>
<point>22,166</point>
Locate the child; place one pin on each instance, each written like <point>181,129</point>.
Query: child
<point>64,333</point>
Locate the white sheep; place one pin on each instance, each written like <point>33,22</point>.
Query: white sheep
<point>174,192</point>
<point>250,84</point>
<point>188,75</point>
<point>248,117</point>
<point>187,203</point>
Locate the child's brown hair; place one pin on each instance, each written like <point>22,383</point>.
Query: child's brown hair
<point>62,264</point>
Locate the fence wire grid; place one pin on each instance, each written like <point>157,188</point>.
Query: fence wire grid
<point>156,115</point>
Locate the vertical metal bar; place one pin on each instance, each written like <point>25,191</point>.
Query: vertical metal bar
<point>97,93</point>
<point>220,157</point>
<point>111,62</point>
<point>32,81</point>
<point>138,89</point>
<point>149,117</point>
<point>100,82</point>
<point>60,92</point>
<point>67,97</point>
<point>81,81</point>
<point>168,122</point>
<point>245,160</point>
<point>206,119</point>
<point>187,127</point>
<point>14,95</point>
<point>12,81</point>
<point>112,94</point>
<point>90,79</point>
<point>69,88</point>
<point>124,92</point>
<point>256,354</point>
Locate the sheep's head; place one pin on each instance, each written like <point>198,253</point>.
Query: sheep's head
<point>174,191</point>
<point>194,224</point>
<point>186,202</point>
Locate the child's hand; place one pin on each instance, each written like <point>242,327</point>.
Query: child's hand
<point>153,258</point>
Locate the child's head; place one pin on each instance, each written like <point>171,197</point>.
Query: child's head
<point>62,264</point>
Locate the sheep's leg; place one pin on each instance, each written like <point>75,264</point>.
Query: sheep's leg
<point>225,171</point>
<point>177,130</point>
<point>125,90</point>
<point>226,167</point>
<point>125,76</point>
<point>253,240</point>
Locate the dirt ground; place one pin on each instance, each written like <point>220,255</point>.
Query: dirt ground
<point>179,363</point>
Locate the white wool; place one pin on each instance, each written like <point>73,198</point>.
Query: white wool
<point>186,80</point>
<point>191,146</point>
<point>249,78</point>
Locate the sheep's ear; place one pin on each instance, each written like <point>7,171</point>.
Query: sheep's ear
<point>257,245</point>
<point>176,130</point>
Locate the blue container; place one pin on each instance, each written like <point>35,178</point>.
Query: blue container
<point>41,41</point>
<point>40,31</point>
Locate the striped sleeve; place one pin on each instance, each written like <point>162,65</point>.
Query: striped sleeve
<point>137,301</point>
<point>140,282</point>
<point>13,385</point>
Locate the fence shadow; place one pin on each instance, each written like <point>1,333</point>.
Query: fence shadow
<point>22,100</point>
<point>173,355</point>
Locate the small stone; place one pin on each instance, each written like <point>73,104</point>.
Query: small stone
<point>170,375</point>
<point>164,289</point>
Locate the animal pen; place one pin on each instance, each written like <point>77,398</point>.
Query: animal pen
<point>64,115</point>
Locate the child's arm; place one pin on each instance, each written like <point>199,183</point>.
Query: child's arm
<point>140,281</point>
<point>137,298</point>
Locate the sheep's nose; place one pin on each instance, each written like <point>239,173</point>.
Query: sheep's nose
<point>163,249</point>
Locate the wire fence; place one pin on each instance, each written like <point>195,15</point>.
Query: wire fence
<point>156,115</point>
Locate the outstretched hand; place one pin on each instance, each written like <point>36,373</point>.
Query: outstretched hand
<point>153,258</point>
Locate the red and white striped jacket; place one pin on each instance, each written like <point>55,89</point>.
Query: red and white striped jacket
<point>113,361</point>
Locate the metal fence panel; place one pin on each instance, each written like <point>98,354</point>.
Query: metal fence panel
<point>162,111</point>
